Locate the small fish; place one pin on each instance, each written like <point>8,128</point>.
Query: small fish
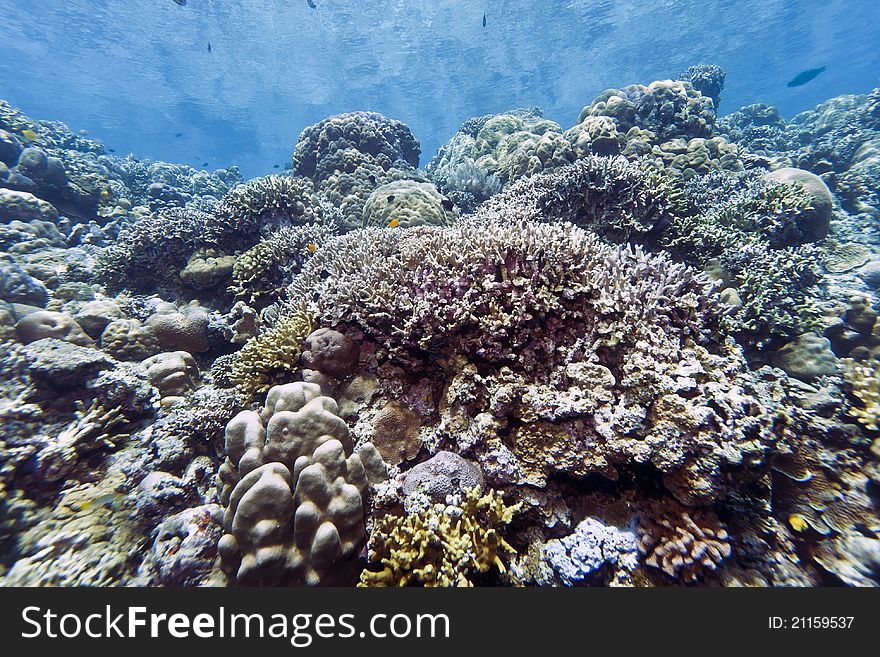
<point>276,166</point>
<point>311,3</point>
<point>205,165</point>
<point>29,134</point>
<point>182,3</point>
<point>178,134</point>
<point>447,204</point>
<point>394,223</point>
<point>805,76</point>
<point>104,500</point>
<point>83,132</point>
<point>312,247</point>
<point>209,47</point>
<point>390,198</point>
<point>484,20</point>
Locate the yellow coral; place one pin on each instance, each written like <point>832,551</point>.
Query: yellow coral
<point>433,548</point>
<point>864,378</point>
<point>272,355</point>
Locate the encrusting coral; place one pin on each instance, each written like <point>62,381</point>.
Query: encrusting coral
<point>441,546</point>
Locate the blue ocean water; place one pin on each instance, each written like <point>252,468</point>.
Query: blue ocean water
<point>135,74</point>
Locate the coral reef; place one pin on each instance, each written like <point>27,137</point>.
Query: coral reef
<point>641,350</point>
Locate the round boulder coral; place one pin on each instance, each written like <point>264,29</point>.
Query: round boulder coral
<point>330,352</point>
<point>813,224</point>
<point>445,473</point>
<point>48,324</point>
<point>408,203</point>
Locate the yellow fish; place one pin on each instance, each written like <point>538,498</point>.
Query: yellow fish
<point>106,500</point>
<point>394,223</point>
<point>29,134</point>
<point>798,522</point>
<point>312,247</point>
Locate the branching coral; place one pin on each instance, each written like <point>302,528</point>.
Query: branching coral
<point>864,379</point>
<point>261,272</point>
<point>752,226</point>
<point>609,195</point>
<point>683,543</point>
<point>155,248</point>
<point>272,355</point>
<point>91,430</point>
<point>441,546</point>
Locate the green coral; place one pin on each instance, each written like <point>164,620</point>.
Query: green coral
<point>264,268</point>
<point>271,356</point>
<point>435,548</point>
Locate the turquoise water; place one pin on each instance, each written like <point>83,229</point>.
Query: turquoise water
<point>134,74</point>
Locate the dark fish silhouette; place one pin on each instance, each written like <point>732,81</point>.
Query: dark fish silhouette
<point>205,164</point>
<point>182,3</point>
<point>209,47</point>
<point>276,166</point>
<point>805,76</point>
<point>178,134</point>
<point>112,150</point>
<point>312,4</point>
<point>484,20</point>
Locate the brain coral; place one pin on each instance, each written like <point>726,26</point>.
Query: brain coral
<point>411,203</point>
<point>293,491</point>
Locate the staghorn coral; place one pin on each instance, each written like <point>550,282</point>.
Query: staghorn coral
<point>155,248</point>
<point>264,203</point>
<point>618,200</point>
<point>683,543</point>
<point>294,492</point>
<point>633,366</point>
<point>778,290</point>
<point>441,546</point>
<point>90,430</point>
